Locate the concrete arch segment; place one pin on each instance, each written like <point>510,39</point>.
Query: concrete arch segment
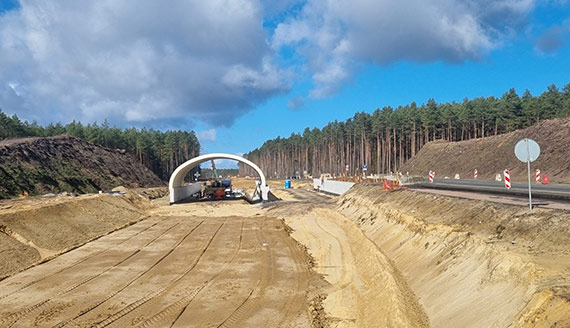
<point>178,191</point>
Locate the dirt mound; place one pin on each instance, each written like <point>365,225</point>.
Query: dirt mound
<point>31,234</point>
<point>152,193</point>
<point>471,263</point>
<point>55,164</point>
<point>492,155</point>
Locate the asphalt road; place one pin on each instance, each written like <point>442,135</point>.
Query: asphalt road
<point>551,191</point>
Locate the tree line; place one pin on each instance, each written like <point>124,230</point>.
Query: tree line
<point>385,139</point>
<point>159,151</point>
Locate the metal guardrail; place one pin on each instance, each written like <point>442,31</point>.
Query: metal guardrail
<point>561,192</point>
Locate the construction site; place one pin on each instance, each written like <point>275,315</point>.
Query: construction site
<point>288,164</point>
<point>367,258</point>
<point>408,249</point>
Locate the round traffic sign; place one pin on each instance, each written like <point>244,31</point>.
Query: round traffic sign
<point>527,150</point>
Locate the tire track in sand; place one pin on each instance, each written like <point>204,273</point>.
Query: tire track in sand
<point>15,317</point>
<point>148,300</point>
<point>74,264</point>
<point>267,268</point>
<point>182,304</point>
<point>129,283</point>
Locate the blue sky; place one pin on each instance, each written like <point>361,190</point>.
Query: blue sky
<point>243,71</point>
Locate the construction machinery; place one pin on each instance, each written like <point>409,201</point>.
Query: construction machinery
<point>218,190</point>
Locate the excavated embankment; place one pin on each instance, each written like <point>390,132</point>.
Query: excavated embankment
<point>491,155</point>
<point>471,263</point>
<point>64,163</point>
<point>35,232</point>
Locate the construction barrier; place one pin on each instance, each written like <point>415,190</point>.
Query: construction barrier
<point>475,174</point>
<point>507,179</point>
<point>431,176</point>
<point>537,176</point>
<point>181,193</point>
<point>391,185</point>
<point>410,180</point>
<point>332,186</point>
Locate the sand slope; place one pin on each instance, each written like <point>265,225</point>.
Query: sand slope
<point>492,155</point>
<point>471,263</point>
<point>36,229</point>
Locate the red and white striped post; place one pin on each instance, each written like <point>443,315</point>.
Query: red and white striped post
<point>431,176</point>
<point>537,176</point>
<point>507,179</point>
<point>475,174</point>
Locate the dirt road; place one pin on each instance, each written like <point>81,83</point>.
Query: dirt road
<point>218,264</point>
<point>169,270</point>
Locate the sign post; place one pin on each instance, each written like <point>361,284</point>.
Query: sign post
<point>527,150</point>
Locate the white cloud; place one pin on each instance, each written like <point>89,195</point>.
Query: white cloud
<point>211,61</point>
<point>135,61</point>
<point>221,163</point>
<point>226,164</point>
<point>207,135</point>
<point>335,36</point>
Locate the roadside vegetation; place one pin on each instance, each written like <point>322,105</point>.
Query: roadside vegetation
<point>159,151</point>
<point>387,138</point>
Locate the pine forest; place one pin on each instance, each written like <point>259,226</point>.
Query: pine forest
<point>385,139</point>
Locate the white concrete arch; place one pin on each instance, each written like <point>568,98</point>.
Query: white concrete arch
<point>176,184</point>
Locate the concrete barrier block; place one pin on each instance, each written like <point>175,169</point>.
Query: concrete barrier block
<point>181,193</point>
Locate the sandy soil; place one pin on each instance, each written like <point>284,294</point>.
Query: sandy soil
<point>249,184</point>
<point>365,290</point>
<point>368,259</point>
<point>231,267</point>
<point>36,229</point>
<point>471,263</point>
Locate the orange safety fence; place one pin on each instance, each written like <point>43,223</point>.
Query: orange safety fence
<point>391,185</point>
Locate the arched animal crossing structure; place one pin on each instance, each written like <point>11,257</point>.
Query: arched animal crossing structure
<point>178,191</point>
